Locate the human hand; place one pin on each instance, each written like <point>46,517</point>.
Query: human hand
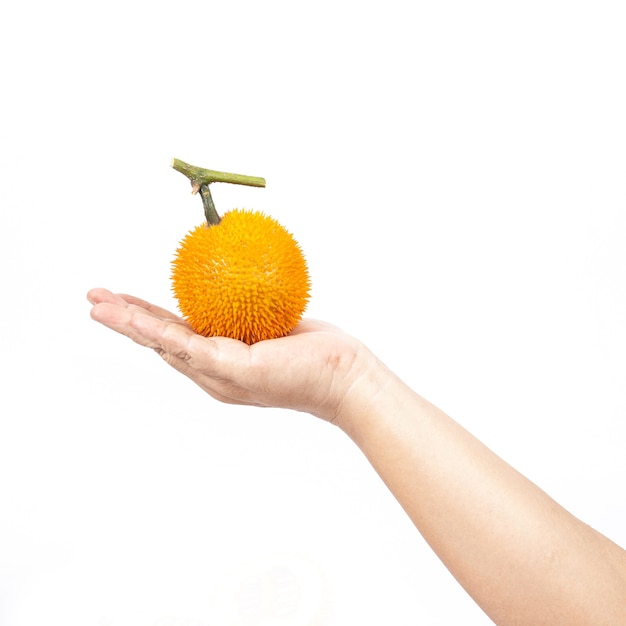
<point>315,369</point>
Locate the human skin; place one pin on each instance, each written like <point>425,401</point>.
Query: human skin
<point>522,557</point>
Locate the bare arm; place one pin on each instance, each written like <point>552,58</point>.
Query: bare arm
<point>523,558</point>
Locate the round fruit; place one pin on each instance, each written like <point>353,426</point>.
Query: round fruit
<point>244,278</point>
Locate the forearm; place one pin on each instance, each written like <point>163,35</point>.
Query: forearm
<point>522,557</point>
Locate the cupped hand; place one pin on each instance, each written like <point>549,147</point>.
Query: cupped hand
<point>313,369</point>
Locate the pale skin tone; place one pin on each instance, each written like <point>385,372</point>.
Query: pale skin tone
<point>523,558</point>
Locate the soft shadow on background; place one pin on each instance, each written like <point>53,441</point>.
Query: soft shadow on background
<point>454,173</point>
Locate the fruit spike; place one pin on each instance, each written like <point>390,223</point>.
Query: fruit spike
<point>243,276</point>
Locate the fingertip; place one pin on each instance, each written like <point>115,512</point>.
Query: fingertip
<point>104,312</point>
<point>97,294</point>
<point>91,297</point>
<point>96,310</point>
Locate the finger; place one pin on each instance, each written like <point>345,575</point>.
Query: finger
<point>122,319</point>
<point>308,325</point>
<point>213,363</point>
<point>140,325</point>
<point>169,335</point>
<point>99,295</point>
<point>152,308</point>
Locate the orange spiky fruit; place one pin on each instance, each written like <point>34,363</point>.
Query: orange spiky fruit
<point>244,277</point>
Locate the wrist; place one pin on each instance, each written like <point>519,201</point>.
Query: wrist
<point>365,394</point>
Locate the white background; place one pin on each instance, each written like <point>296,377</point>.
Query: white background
<point>455,173</point>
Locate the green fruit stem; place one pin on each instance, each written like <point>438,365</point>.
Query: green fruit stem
<point>201,179</point>
<point>210,212</point>
<point>200,176</point>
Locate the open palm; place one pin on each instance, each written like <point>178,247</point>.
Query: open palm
<point>312,369</point>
